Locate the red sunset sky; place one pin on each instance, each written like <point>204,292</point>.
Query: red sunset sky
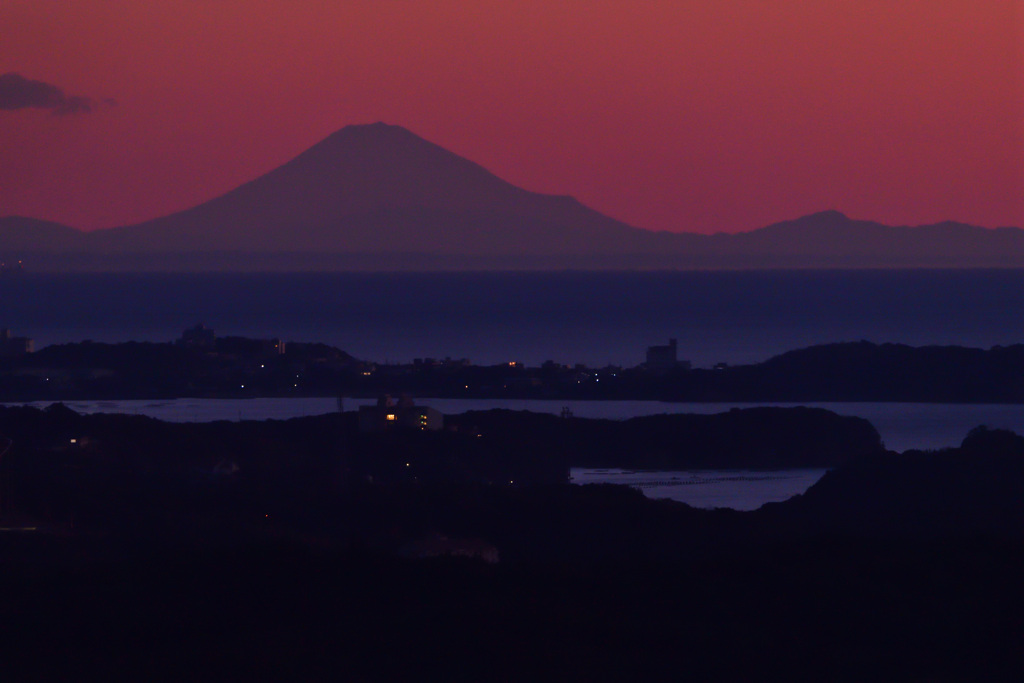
<point>706,116</point>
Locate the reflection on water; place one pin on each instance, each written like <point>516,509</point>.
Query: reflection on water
<point>736,489</point>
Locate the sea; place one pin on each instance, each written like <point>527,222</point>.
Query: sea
<point>569,317</point>
<point>594,318</point>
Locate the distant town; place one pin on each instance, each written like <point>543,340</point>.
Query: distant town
<point>201,363</point>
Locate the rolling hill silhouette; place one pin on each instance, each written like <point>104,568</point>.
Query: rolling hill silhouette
<point>378,195</point>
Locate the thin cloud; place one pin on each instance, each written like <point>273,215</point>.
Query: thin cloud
<point>18,92</point>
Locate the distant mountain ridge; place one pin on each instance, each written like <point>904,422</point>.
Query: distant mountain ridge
<point>372,196</point>
<point>18,234</point>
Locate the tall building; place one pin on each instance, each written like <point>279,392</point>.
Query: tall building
<point>14,346</point>
<point>662,357</point>
<point>198,337</point>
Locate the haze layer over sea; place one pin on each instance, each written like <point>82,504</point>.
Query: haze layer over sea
<point>569,317</point>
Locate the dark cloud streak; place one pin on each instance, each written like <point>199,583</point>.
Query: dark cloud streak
<point>18,92</point>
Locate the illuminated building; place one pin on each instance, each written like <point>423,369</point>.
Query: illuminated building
<point>387,415</point>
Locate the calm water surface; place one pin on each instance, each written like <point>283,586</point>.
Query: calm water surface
<point>736,489</point>
<point>569,317</point>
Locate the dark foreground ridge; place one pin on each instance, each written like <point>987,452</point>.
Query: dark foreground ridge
<point>238,367</point>
<point>292,549</point>
<point>57,453</point>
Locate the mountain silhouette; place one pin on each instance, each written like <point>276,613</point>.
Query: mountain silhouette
<point>378,188</point>
<point>378,195</point>
<point>19,234</point>
<point>832,235</point>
